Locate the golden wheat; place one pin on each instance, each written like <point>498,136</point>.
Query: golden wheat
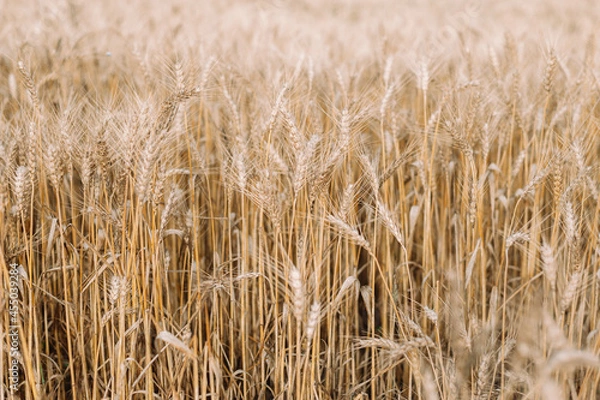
<point>299,200</point>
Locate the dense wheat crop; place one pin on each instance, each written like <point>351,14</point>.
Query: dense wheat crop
<point>299,200</point>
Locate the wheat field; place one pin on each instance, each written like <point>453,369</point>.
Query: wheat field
<point>346,199</point>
